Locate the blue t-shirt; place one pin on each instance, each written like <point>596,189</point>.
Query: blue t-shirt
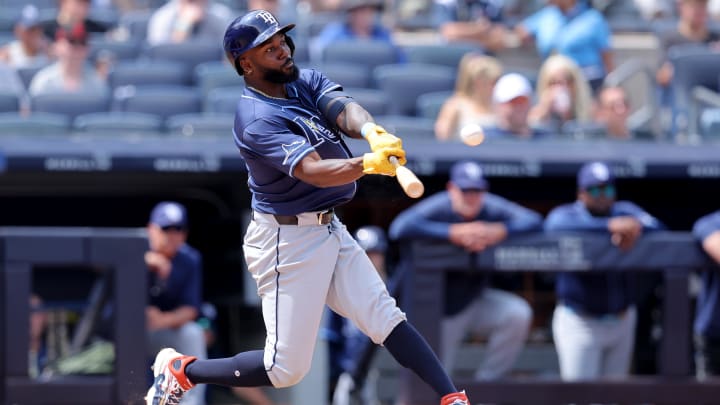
<point>183,287</point>
<point>431,219</point>
<point>596,293</point>
<point>468,10</point>
<point>707,314</point>
<point>274,134</point>
<point>582,35</point>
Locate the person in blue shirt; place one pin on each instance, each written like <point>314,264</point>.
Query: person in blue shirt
<point>175,287</point>
<point>707,316</point>
<point>362,23</point>
<point>574,29</point>
<point>288,129</point>
<point>467,215</point>
<point>595,317</point>
<point>472,21</point>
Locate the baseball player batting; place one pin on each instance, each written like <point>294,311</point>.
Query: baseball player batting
<point>287,127</point>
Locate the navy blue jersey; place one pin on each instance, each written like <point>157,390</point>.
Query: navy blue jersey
<point>707,314</point>
<point>274,134</point>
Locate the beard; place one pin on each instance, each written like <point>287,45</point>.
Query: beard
<point>280,77</point>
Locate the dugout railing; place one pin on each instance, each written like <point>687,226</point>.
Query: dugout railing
<point>675,254</point>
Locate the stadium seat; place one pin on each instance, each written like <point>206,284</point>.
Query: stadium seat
<point>9,102</point>
<point>12,123</point>
<point>140,73</point>
<point>222,99</point>
<point>374,101</point>
<point>201,124</point>
<point>429,104</point>
<point>189,54</point>
<point>369,54</point>
<point>135,23</point>
<point>70,104</point>
<point>694,66</point>
<point>408,127</point>
<point>583,130</point>
<point>160,100</point>
<point>118,123</point>
<point>212,75</point>
<point>121,50</point>
<point>27,73</point>
<point>440,54</point>
<point>345,74</point>
<point>404,83</point>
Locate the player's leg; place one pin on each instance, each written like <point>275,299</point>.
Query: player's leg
<point>619,353</point>
<point>578,348</point>
<point>358,293</point>
<point>453,330</point>
<point>505,318</point>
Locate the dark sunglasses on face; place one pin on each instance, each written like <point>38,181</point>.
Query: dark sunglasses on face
<point>606,190</point>
<point>175,228</point>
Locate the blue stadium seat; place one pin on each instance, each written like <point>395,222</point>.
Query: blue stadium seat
<point>404,83</point>
<point>212,75</point>
<point>140,73</point>
<point>27,73</point>
<point>70,104</point>
<point>36,124</point>
<point>440,54</point>
<point>369,54</point>
<point>345,74</point>
<point>135,23</point>
<point>160,100</point>
<point>189,54</point>
<point>222,99</point>
<point>9,102</point>
<point>376,102</point>
<point>121,50</point>
<point>429,104</point>
<point>117,123</point>
<point>408,127</point>
<point>201,124</point>
<point>583,130</point>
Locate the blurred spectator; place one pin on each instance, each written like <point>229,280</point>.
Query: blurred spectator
<point>476,21</point>
<point>574,29</point>
<point>692,28</point>
<point>563,94</point>
<point>182,20</point>
<point>612,110</point>
<point>654,9</point>
<point>714,9</point>
<point>29,47</point>
<point>511,104</point>
<point>175,288</point>
<point>471,103</point>
<point>362,22</point>
<point>707,315</point>
<point>350,351</point>
<point>71,72</point>
<point>594,320</point>
<point>70,14</point>
<point>467,215</point>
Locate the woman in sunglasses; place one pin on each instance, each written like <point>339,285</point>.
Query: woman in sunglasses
<point>595,318</point>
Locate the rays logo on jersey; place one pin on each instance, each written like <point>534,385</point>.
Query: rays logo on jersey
<point>315,132</point>
<point>291,148</point>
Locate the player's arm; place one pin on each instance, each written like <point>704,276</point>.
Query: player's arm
<point>319,172</point>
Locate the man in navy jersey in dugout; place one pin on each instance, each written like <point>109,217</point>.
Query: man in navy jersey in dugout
<point>288,129</point>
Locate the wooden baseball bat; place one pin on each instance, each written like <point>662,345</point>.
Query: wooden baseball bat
<point>409,182</point>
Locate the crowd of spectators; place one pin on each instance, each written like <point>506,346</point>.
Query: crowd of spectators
<point>572,38</point>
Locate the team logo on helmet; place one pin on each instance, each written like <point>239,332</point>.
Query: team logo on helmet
<point>266,17</point>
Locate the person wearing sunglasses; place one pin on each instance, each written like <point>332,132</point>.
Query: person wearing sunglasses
<point>594,321</point>
<point>175,288</point>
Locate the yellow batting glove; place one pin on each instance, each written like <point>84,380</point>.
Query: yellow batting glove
<point>379,162</point>
<point>379,138</point>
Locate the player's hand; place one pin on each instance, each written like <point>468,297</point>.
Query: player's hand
<point>379,162</point>
<point>379,138</point>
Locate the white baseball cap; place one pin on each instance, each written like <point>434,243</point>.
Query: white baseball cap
<point>511,86</point>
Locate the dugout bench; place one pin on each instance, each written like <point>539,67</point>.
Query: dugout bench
<point>118,251</point>
<point>675,254</point>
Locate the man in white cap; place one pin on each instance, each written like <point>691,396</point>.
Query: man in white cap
<point>512,98</point>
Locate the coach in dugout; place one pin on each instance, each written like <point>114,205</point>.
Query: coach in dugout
<point>467,215</point>
<point>707,316</point>
<point>594,321</point>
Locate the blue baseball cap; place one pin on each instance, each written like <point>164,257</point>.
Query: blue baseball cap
<point>169,214</point>
<point>29,17</point>
<point>371,238</point>
<point>468,175</point>
<point>594,174</point>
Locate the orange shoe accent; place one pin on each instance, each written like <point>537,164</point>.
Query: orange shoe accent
<point>456,398</point>
<point>177,368</point>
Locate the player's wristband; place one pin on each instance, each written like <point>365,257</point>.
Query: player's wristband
<point>366,128</point>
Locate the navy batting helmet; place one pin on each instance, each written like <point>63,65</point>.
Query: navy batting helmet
<point>371,238</point>
<point>251,30</point>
